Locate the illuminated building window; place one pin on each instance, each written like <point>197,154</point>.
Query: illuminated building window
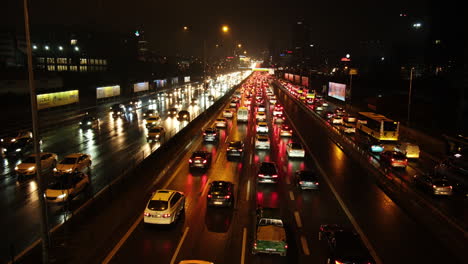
<point>91,61</point>
<point>40,67</point>
<point>50,60</point>
<point>73,68</point>
<point>73,41</point>
<point>83,61</point>
<point>83,68</point>
<point>437,41</point>
<point>61,60</point>
<point>104,62</point>
<point>41,60</point>
<point>51,67</point>
<point>61,68</point>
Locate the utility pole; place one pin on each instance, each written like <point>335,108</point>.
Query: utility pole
<point>409,96</point>
<point>32,90</point>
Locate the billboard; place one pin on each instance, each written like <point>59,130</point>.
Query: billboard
<point>160,83</point>
<point>297,79</point>
<point>337,90</point>
<point>175,80</point>
<point>107,91</point>
<point>139,87</point>
<point>186,79</point>
<point>57,99</point>
<point>305,81</point>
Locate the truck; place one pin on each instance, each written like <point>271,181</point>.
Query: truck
<point>270,235</point>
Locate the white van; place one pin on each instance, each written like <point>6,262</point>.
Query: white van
<point>242,114</point>
<point>411,150</point>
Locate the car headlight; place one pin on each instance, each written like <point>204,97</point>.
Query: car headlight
<point>118,112</point>
<point>89,123</point>
<point>68,170</point>
<point>31,168</point>
<point>18,149</point>
<point>63,195</point>
<point>55,169</point>
<point>81,123</point>
<point>16,167</point>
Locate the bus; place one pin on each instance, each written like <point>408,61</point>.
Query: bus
<point>378,126</point>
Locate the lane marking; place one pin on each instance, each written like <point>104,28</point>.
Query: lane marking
<point>247,195</point>
<point>297,217</point>
<point>122,240</point>
<point>305,247</point>
<point>251,156</point>
<point>179,245</point>
<point>244,241</point>
<point>287,180</point>
<point>291,195</point>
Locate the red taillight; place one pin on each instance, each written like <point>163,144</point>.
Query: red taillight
<point>450,187</point>
<point>255,245</point>
<point>433,186</point>
<point>227,149</point>
<point>274,176</point>
<point>147,214</point>
<point>261,175</point>
<point>393,159</point>
<point>209,196</point>
<point>316,183</point>
<point>204,161</point>
<point>240,149</point>
<point>166,215</point>
<point>227,197</point>
<point>301,182</point>
<point>190,160</point>
<point>338,262</point>
<point>286,246</point>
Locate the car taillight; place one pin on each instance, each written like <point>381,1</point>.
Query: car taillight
<point>204,161</point>
<point>190,160</point>
<point>209,196</point>
<point>147,214</point>
<point>316,183</point>
<point>261,175</point>
<point>240,149</point>
<point>255,245</point>
<point>338,262</point>
<point>301,182</point>
<point>450,187</point>
<point>227,149</point>
<point>274,176</point>
<point>166,215</point>
<point>227,197</point>
<point>393,159</point>
<point>204,134</point>
<point>286,246</point>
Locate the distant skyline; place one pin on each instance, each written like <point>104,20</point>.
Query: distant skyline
<point>333,24</point>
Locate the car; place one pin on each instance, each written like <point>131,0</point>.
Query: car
<point>16,136</point>
<point>261,108</point>
<point>66,186</point>
<point>295,150</point>
<point>329,114</point>
<point>349,118</point>
<point>411,150</point>
<point>310,101</point>
<point>262,142</point>
<point>435,184</point>
<point>221,122</point>
<point>156,133</point>
<point>262,127</point>
<point>455,168</point>
<point>318,107</point>
<point>152,121</point>
<point>336,120</point>
<point>345,246</point>
<point>279,119</point>
<point>260,116</point>
<point>227,113</point>
<point>242,114</point>
<point>278,110</point>
<point>200,159</point>
<point>307,179</point>
<point>233,104</point>
<point>210,134</point>
<point>340,111</point>
<point>347,128</point>
<point>164,207</point>
<point>28,166</point>
<point>172,111</point>
<point>89,121</point>
<point>285,131</point>
<point>17,148</point>
<point>394,159</point>
<point>73,163</point>
<point>150,113</point>
<point>235,148</point>
<point>273,100</point>
<point>130,108</point>
<point>183,115</point>
<point>152,100</point>
<point>220,193</point>
<point>118,110</point>
<point>267,173</point>
<point>136,103</point>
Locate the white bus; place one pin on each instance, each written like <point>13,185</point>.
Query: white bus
<point>242,114</point>
<point>378,126</point>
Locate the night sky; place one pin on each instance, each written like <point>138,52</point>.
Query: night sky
<point>255,24</point>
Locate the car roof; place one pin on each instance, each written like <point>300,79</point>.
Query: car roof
<point>200,152</point>
<point>74,155</point>
<point>221,183</point>
<point>262,136</point>
<point>262,124</point>
<point>163,195</point>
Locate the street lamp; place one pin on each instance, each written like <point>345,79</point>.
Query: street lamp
<point>239,45</point>
<point>225,29</point>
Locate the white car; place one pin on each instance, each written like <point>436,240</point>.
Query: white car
<point>337,120</point>
<point>261,116</point>
<point>28,166</point>
<point>262,127</point>
<point>66,186</point>
<point>74,162</point>
<point>350,119</point>
<point>324,103</point>
<point>164,207</point>
<point>262,142</point>
<point>295,150</point>
<point>285,131</point>
<point>261,108</point>
<point>348,129</point>
<point>227,113</point>
<point>221,122</point>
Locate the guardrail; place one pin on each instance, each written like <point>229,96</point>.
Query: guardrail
<point>448,229</point>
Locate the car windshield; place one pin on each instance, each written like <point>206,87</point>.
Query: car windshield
<point>153,119</point>
<point>399,156</point>
<point>68,161</point>
<point>61,184</point>
<point>155,130</point>
<point>441,183</point>
<point>88,118</point>
<point>199,155</point>
<point>219,189</point>
<point>30,159</point>
<point>263,139</point>
<point>267,166</point>
<point>157,205</point>
<point>296,146</point>
<point>236,144</point>
<point>308,176</point>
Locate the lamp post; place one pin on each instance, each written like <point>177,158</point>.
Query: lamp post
<point>409,96</point>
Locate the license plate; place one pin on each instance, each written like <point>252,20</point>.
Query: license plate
<point>218,203</point>
<point>270,249</point>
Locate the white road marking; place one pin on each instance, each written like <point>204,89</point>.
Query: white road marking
<point>244,241</point>
<point>122,241</point>
<point>305,247</point>
<point>247,195</point>
<point>297,217</point>
<point>180,245</point>
<point>251,156</point>
<point>291,195</point>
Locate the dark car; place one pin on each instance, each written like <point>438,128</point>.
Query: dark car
<point>267,173</point>
<point>433,183</point>
<point>210,134</point>
<point>220,194</point>
<point>394,159</point>
<point>455,168</point>
<point>307,179</point>
<point>200,159</point>
<point>345,245</point>
<point>89,122</point>
<point>172,111</point>
<point>17,148</point>
<point>118,110</point>
<point>235,148</point>
<point>183,115</point>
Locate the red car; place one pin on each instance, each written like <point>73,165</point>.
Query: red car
<point>395,159</point>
